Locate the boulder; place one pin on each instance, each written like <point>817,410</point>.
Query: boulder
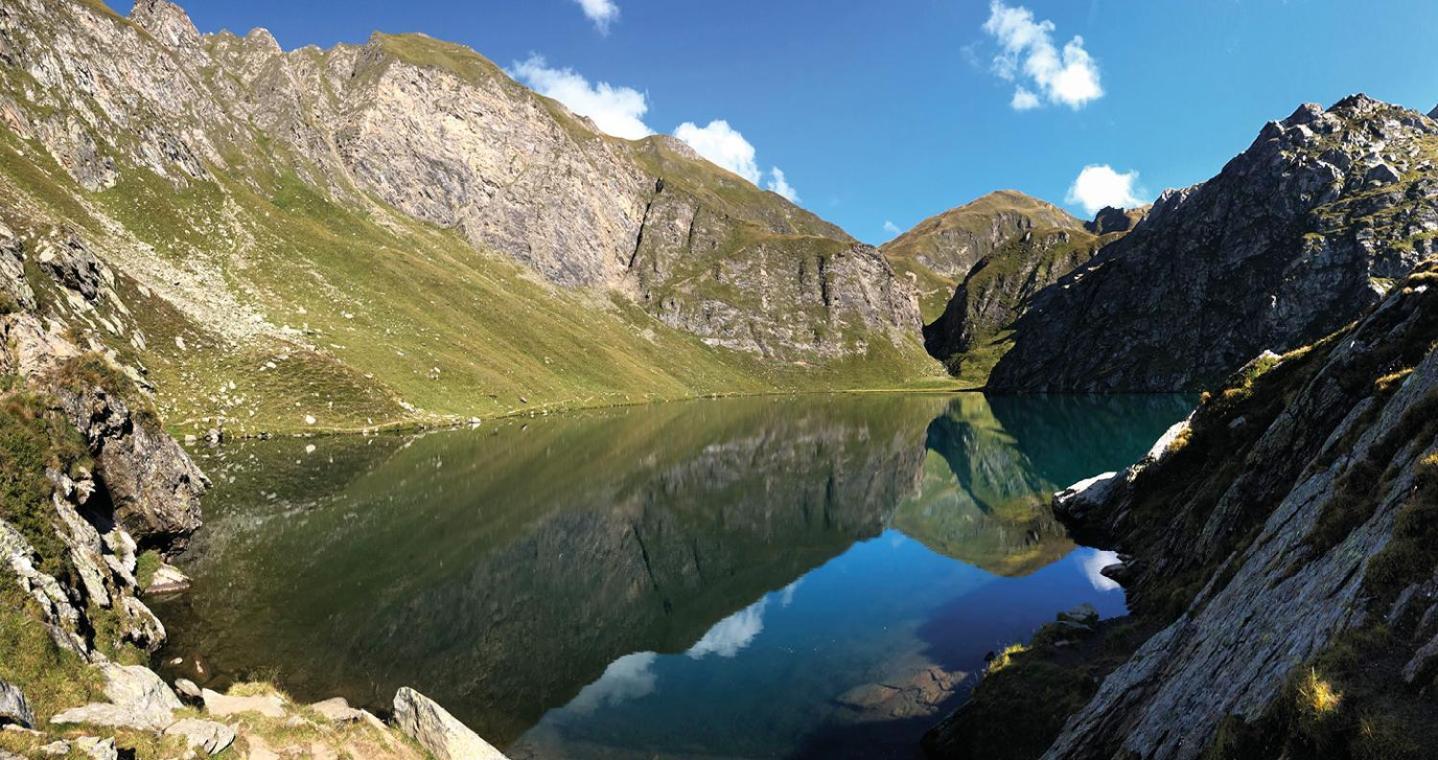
<point>205,735</point>
<point>187,689</point>
<point>138,699</point>
<point>153,485</point>
<point>1382,174</point>
<point>438,732</point>
<point>1083,615</point>
<point>57,748</point>
<point>1422,661</point>
<point>337,710</point>
<point>13,707</point>
<point>268,705</point>
<point>97,749</point>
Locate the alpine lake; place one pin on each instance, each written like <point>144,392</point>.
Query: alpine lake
<point>808,576</point>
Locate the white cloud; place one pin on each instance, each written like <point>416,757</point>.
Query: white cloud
<point>618,111</point>
<point>723,145</point>
<point>1069,76</point>
<point>1024,99</point>
<point>891,228</point>
<point>1098,185</point>
<point>780,185</point>
<point>601,12</point>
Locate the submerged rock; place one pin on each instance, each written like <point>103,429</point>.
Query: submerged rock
<point>168,580</point>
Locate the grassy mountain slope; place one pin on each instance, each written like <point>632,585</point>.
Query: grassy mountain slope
<point>262,278</point>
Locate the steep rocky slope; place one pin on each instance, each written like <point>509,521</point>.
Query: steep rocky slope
<point>398,230</point>
<point>940,251</point>
<point>1280,544</point>
<point>972,333</point>
<point>1297,236</point>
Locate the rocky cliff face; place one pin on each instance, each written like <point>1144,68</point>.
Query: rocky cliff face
<point>1281,543</point>
<point>971,333</point>
<point>407,125</point>
<point>1298,235</point>
<point>939,252</point>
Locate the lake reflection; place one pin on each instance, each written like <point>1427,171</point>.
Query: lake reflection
<point>740,578</point>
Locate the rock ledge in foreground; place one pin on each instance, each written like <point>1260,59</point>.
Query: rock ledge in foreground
<point>440,733</point>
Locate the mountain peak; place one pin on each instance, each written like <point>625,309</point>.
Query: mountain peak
<point>166,22</point>
<point>1112,219</point>
<point>261,36</point>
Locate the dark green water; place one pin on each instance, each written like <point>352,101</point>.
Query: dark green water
<point>805,577</point>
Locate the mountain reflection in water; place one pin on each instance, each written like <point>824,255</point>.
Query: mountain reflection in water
<point>736,578</point>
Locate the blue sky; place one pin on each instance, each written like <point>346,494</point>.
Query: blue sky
<point>893,111</point>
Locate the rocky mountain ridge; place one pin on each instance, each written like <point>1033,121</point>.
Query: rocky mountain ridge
<point>1298,235</point>
<point>371,218</point>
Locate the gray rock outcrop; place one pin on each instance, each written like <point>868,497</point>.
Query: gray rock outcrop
<point>205,735</point>
<point>951,243</point>
<point>13,706</point>
<point>153,485</point>
<point>441,734</point>
<point>137,697</point>
<point>1297,236</point>
<point>997,290</point>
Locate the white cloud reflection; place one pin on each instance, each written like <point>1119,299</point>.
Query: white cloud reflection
<point>629,677</point>
<point>1094,561</point>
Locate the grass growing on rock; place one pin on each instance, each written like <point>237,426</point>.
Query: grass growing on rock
<point>51,678</point>
<point>34,439</point>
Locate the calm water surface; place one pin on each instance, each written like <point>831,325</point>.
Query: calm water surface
<point>806,577</point>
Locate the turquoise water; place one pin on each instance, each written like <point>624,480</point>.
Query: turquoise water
<point>799,577</point>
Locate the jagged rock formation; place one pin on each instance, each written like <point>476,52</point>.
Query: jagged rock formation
<point>1296,236</point>
<point>1110,219</point>
<point>379,144</point>
<point>1282,542</point>
<point>940,251</point>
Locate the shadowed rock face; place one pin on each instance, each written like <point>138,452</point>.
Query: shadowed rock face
<point>939,253</point>
<point>1295,237</point>
<point>1290,511</point>
<point>999,288</point>
<point>437,132</point>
